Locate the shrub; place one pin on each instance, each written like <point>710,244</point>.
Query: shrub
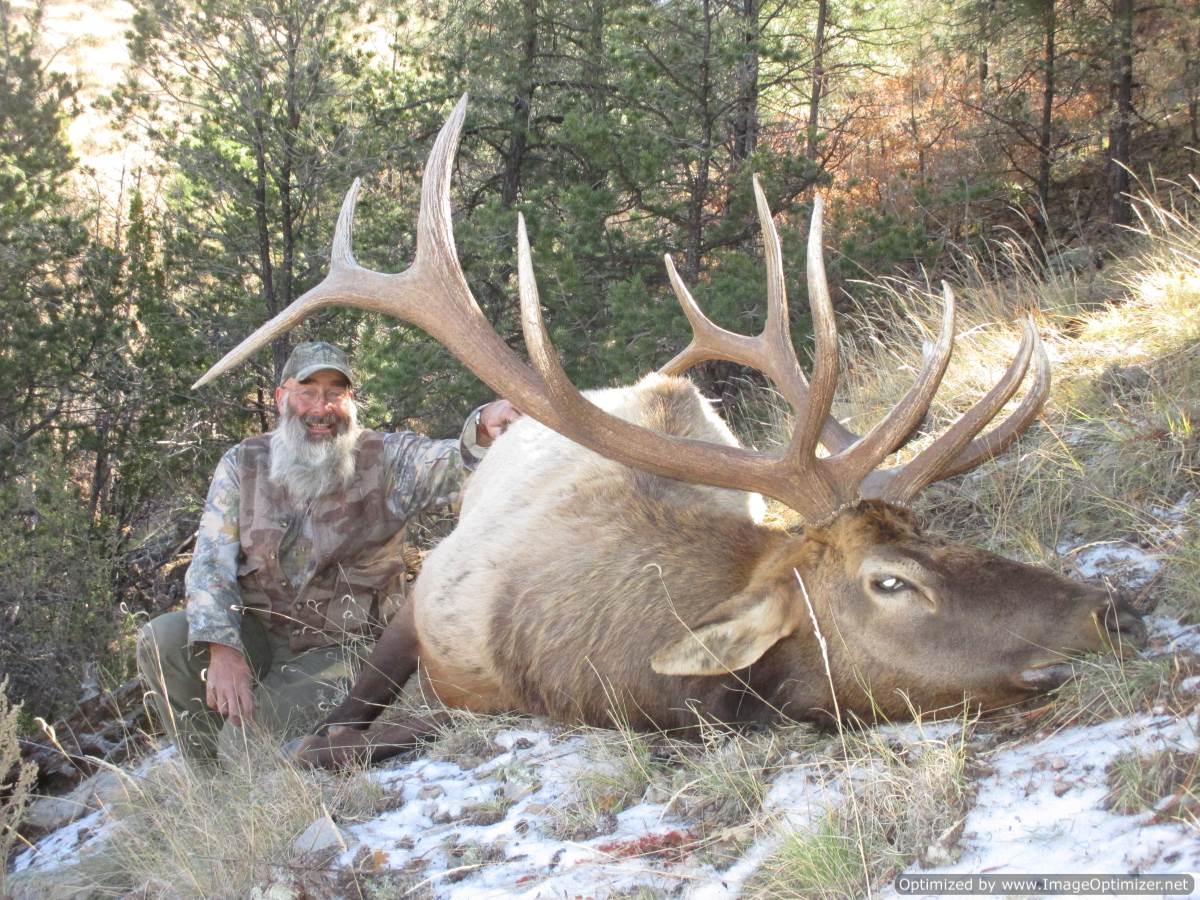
<point>16,781</point>
<point>56,602</point>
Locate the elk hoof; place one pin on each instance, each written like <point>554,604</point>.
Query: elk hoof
<point>309,750</point>
<point>291,749</point>
<point>341,748</point>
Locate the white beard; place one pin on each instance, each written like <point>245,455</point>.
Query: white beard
<point>311,469</point>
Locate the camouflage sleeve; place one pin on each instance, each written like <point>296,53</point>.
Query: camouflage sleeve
<point>211,580</point>
<point>424,474</point>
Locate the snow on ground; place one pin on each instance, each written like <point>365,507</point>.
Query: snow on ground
<point>1040,810</point>
<point>87,833</point>
<point>489,830</point>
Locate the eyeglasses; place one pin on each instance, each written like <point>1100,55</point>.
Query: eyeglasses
<point>312,396</point>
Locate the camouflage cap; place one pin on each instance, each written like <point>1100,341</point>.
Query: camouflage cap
<point>313,356</point>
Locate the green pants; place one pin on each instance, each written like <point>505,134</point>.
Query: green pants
<point>293,690</point>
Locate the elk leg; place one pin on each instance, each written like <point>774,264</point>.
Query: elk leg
<point>346,747</point>
<point>386,670</point>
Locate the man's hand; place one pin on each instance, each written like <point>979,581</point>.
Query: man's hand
<point>494,419</point>
<point>230,684</point>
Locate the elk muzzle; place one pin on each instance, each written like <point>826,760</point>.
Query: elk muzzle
<point>1119,628</point>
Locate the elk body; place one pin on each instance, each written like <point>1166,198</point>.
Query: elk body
<point>610,561</point>
<point>583,589</point>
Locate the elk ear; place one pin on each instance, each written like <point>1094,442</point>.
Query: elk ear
<point>737,633</point>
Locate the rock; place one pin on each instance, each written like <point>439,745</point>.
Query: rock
<point>320,842</point>
<point>1074,260</point>
<point>431,792</point>
<point>516,791</point>
<point>275,891</point>
<point>105,727</point>
<point>946,850</point>
<point>51,813</point>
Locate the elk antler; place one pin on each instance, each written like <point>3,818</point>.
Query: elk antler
<point>433,295</point>
<point>855,460</point>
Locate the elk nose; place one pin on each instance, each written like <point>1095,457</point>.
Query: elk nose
<point>1123,625</point>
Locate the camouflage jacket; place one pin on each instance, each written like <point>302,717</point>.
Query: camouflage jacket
<point>329,569</point>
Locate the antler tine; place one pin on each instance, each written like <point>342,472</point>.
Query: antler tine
<point>776,334</point>
<point>583,421</point>
<point>941,458</point>
<point>811,416</point>
<point>341,264</point>
<point>771,351</point>
<point>888,435</point>
<point>341,252</point>
<point>709,340</point>
<point>1001,437</point>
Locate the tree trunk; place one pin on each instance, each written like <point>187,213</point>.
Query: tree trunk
<point>818,79</point>
<point>1120,134</point>
<point>745,116</point>
<point>286,167</point>
<point>514,155</point>
<point>700,180</point>
<point>102,469</point>
<point>985,38</point>
<point>1046,131</point>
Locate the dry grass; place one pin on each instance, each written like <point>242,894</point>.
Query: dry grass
<point>904,799</point>
<point>467,738</point>
<point>184,831</point>
<point>719,785</point>
<point>1115,457</point>
<point>1166,781</point>
<point>1105,687</point>
<point>16,782</point>
<point>724,780</point>
<point>621,765</point>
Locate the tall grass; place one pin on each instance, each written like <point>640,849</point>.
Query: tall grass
<point>16,782</point>
<point>185,831</point>
<point>1114,458</point>
<point>1115,455</point>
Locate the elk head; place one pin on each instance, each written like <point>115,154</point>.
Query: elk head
<point>867,566</point>
<point>868,614</point>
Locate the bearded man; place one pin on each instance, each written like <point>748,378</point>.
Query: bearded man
<point>298,558</point>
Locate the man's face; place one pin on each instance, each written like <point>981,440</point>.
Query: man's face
<point>320,402</point>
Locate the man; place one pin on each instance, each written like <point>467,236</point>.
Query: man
<point>298,555</point>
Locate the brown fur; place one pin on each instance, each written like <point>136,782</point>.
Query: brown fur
<point>600,593</point>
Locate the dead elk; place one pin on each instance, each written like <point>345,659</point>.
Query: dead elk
<point>609,561</point>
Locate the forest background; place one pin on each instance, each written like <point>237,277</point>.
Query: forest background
<point>621,129</point>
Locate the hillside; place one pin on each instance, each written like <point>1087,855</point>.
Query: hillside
<point>1099,778</point>
<point>170,171</point>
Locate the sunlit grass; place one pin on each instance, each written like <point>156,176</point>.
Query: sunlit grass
<point>1114,458</point>
<point>200,832</point>
<point>1115,453</point>
<point>904,797</point>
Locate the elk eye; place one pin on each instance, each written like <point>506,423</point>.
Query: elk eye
<point>890,585</point>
